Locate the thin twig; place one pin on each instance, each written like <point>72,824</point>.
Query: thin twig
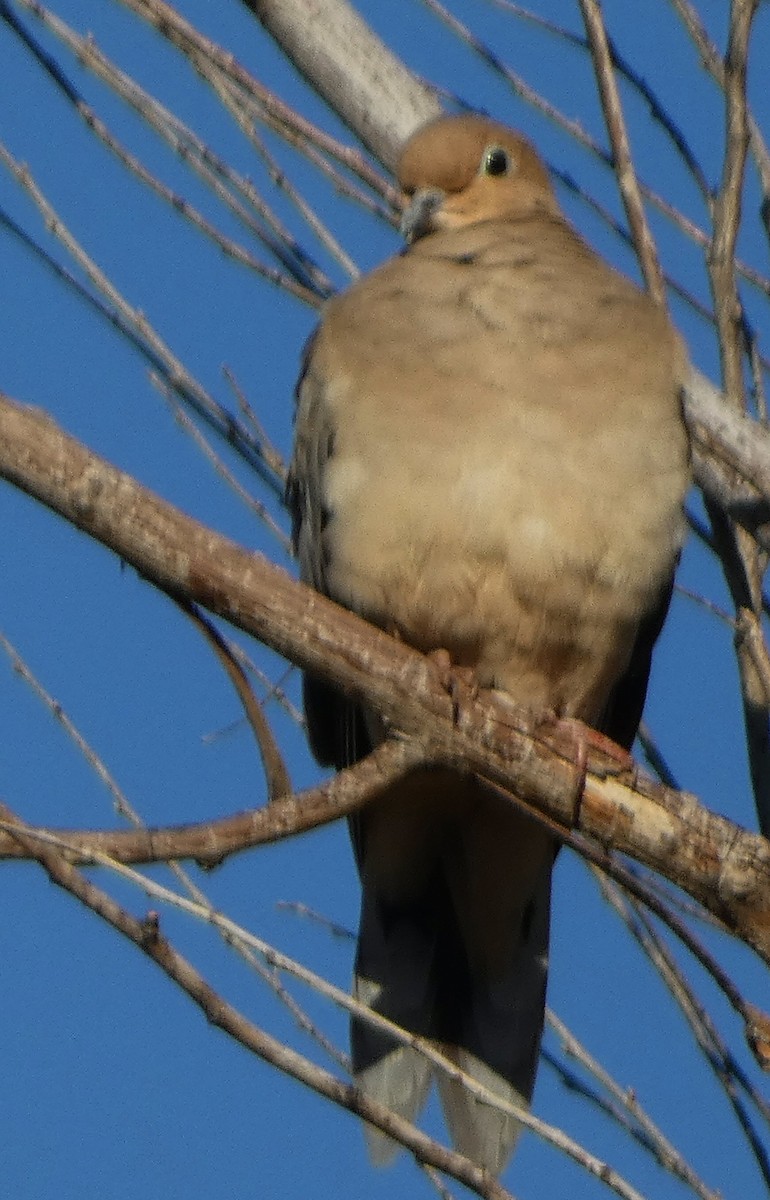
<point>756,1022</point>
<point>623,163</point>
<point>124,808</point>
<point>727,205</point>
<point>740,557</point>
<point>121,802</point>
<point>229,95</point>
<point>641,1124</point>
<point>276,775</point>
<point>576,131</point>
<point>134,325</point>
<point>626,1111</point>
<point>256,506</point>
<point>171,25</point>
<point>715,65</point>
<point>717,1054</point>
<point>282,962</point>
<point>657,109</point>
<point>178,203</point>
<point>147,937</point>
<point>655,757</point>
<point>270,453</point>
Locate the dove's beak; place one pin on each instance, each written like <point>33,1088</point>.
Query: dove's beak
<point>419,215</point>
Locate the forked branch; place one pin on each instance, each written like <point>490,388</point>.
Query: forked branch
<point>723,867</point>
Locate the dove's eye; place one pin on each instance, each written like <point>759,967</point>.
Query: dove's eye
<point>496,161</point>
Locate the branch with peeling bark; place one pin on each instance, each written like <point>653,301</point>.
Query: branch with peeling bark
<point>725,868</point>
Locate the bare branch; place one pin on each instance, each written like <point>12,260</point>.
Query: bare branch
<point>723,867</point>
<point>621,150</point>
<point>352,70</point>
<point>741,560</point>
<point>727,206</point>
<point>276,774</point>
<point>134,325</point>
<point>147,937</point>
<point>712,61</point>
<point>715,1051</point>
<point>649,1134</point>
<point>658,111</point>
<point>210,842</point>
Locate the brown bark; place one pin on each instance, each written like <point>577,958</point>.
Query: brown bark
<point>547,766</point>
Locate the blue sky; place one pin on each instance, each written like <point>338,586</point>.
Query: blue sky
<point>113,1084</point>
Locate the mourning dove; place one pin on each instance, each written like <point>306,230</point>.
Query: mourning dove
<point>490,460</point>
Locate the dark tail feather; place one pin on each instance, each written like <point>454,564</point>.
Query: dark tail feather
<point>394,976</point>
<point>411,968</point>
<point>499,1043</point>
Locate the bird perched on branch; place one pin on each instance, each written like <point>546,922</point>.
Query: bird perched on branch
<point>490,461</point>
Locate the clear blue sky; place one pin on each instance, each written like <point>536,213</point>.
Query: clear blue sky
<point>113,1086</point>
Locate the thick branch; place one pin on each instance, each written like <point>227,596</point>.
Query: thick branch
<point>721,431</point>
<point>725,868</point>
<point>355,73</point>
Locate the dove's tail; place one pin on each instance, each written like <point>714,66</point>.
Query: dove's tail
<point>455,949</point>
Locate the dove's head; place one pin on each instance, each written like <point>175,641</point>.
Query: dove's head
<point>458,171</point>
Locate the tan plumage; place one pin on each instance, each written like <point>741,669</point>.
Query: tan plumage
<point>490,459</point>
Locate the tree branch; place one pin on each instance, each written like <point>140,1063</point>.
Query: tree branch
<point>351,69</point>
<point>146,935</point>
<point>720,865</point>
<point>210,842</point>
<point>623,161</point>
